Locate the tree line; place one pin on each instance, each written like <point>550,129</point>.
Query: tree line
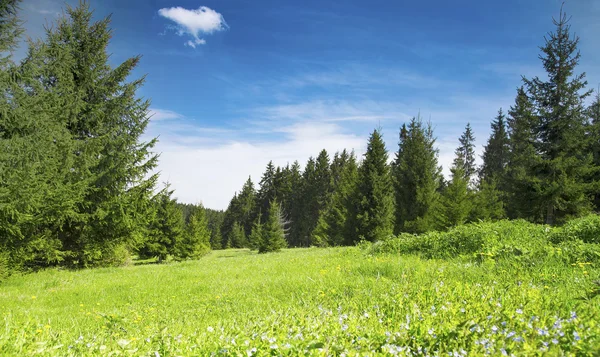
<point>541,163</point>
<point>78,186</point>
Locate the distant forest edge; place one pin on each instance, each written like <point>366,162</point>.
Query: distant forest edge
<point>77,189</point>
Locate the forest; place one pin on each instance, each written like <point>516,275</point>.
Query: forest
<point>78,186</point>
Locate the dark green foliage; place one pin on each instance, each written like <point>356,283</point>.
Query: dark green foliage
<point>488,202</point>
<point>465,154</point>
<point>316,191</point>
<point>256,235</point>
<point>247,203</point>
<point>496,152</point>
<point>335,222</point>
<point>416,178</point>
<point>166,228</point>
<point>374,200</point>
<point>294,207</point>
<point>565,168</point>
<point>457,199</point>
<point>267,191</point>
<point>519,180</point>
<point>273,230</point>
<point>594,144</point>
<point>237,236</point>
<point>195,241</point>
<point>10,29</point>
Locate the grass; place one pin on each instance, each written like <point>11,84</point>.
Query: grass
<point>311,302</point>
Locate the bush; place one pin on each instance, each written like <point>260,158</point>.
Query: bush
<point>585,229</point>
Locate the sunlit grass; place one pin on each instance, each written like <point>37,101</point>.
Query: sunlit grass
<point>303,302</point>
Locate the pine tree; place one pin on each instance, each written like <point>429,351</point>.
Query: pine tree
<point>565,168</point>
<point>273,231</point>
<point>456,203</point>
<point>374,201</point>
<point>488,202</point>
<point>230,217</point>
<point>237,236</point>
<point>465,153</point>
<point>166,228</point>
<point>594,135</point>
<point>195,241</point>
<point>256,235</point>
<point>295,208</point>
<point>496,152</point>
<point>267,191</point>
<point>302,224</point>
<point>520,182</point>
<point>106,121</point>
<point>416,178</point>
<point>247,205</point>
<point>334,224</point>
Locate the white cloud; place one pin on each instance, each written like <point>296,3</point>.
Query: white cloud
<point>210,172</point>
<point>195,23</point>
<point>161,114</point>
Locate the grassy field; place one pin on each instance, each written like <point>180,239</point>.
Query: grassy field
<point>312,302</point>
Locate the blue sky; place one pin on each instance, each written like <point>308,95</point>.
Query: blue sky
<point>236,83</point>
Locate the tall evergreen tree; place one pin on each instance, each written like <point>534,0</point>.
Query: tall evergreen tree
<point>465,153</point>
<point>295,208</point>
<point>456,203</point>
<point>247,205</point>
<point>375,194</point>
<point>166,228</point>
<point>496,152</point>
<point>334,224</point>
<point>267,191</point>
<point>416,178</point>
<point>196,239</point>
<point>565,167</point>
<point>594,135</point>
<point>237,236</point>
<point>520,182</point>
<point>302,224</point>
<point>273,231</point>
<point>107,120</point>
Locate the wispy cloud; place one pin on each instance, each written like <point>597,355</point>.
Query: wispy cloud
<point>162,114</point>
<point>195,23</point>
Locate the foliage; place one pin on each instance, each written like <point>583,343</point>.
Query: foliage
<point>416,178</point>
<point>166,228</point>
<point>195,241</point>
<point>374,200</point>
<point>273,230</point>
<point>564,168</point>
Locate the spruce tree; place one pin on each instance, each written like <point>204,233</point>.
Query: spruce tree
<point>456,202</point>
<point>166,228</point>
<point>195,241</point>
<point>496,152</point>
<point>465,154</point>
<point>303,225</point>
<point>334,224</point>
<point>375,194</point>
<point>247,205</point>
<point>565,168</point>
<point>416,178</point>
<point>594,144</point>
<point>106,121</point>
<point>520,182</point>
<point>295,208</point>
<point>267,191</point>
<point>273,231</point>
<point>256,235</point>
<point>237,236</point>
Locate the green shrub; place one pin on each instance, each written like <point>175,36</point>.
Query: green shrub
<point>585,229</point>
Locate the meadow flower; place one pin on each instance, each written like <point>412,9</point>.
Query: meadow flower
<point>576,336</point>
<point>210,329</point>
<point>555,341</point>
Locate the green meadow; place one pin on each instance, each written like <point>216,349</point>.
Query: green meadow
<point>370,300</point>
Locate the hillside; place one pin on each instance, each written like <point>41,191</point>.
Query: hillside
<point>313,302</point>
